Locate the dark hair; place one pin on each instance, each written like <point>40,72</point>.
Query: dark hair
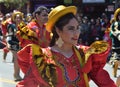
<point>39,10</point>
<point>117,19</point>
<point>62,21</point>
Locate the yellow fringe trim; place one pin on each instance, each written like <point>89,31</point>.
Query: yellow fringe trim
<point>25,32</point>
<point>96,48</point>
<point>82,64</point>
<point>46,69</point>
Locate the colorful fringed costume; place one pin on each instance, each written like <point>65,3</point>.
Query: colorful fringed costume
<point>32,33</point>
<point>115,35</point>
<point>4,32</point>
<point>45,67</point>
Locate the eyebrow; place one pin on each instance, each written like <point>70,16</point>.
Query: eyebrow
<point>70,27</point>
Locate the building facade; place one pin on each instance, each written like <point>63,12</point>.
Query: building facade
<point>87,7</point>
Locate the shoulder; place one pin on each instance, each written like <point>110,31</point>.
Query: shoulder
<point>6,22</point>
<point>99,46</point>
<point>37,50</point>
<point>98,49</point>
<point>32,25</point>
<point>40,55</point>
<point>83,47</point>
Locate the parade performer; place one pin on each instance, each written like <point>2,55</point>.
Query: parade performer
<point>4,32</point>
<point>63,64</point>
<point>12,41</point>
<point>35,31</point>
<point>115,36</point>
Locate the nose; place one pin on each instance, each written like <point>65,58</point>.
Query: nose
<point>77,33</point>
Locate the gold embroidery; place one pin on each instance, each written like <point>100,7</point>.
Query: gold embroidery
<point>45,64</point>
<point>96,48</point>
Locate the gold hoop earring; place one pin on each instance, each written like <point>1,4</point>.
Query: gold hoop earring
<point>59,42</point>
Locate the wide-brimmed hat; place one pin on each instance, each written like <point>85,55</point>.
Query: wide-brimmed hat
<point>58,12</point>
<point>116,13</point>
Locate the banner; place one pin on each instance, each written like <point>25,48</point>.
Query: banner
<point>93,1</point>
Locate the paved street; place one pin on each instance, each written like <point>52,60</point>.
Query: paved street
<point>6,72</point>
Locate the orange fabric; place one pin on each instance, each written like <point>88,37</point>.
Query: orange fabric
<point>25,61</point>
<point>60,75</point>
<point>4,25</point>
<point>5,49</point>
<point>94,67</point>
<point>43,37</point>
<point>65,70</point>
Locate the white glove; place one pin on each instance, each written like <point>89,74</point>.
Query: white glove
<point>115,33</point>
<point>119,37</point>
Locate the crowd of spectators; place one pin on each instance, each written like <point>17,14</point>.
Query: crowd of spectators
<point>92,29</point>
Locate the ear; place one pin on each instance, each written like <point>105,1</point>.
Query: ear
<point>36,15</point>
<point>58,31</point>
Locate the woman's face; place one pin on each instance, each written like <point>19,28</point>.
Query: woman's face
<point>18,19</point>
<point>70,33</point>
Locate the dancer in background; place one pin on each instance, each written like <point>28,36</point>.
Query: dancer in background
<point>35,31</point>
<point>13,42</point>
<point>7,20</point>
<point>115,37</point>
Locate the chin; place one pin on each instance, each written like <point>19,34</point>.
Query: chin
<point>74,43</point>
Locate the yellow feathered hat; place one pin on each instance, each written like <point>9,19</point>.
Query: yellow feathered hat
<point>116,13</point>
<point>58,12</point>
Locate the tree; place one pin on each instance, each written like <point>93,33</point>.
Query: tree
<point>17,3</point>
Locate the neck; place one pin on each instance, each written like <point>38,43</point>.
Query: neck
<point>17,23</point>
<point>66,50</point>
<point>39,23</point>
